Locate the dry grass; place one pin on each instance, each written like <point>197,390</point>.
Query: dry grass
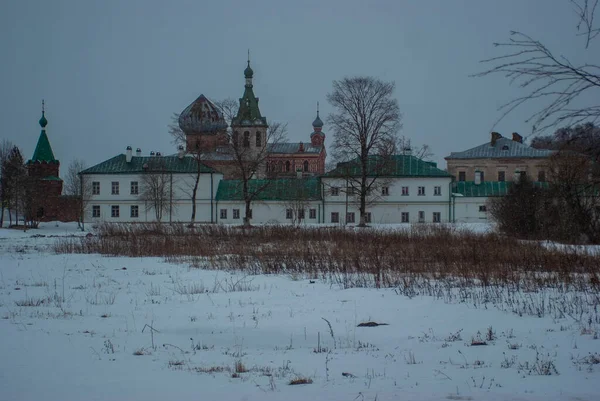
<point>300,380</point>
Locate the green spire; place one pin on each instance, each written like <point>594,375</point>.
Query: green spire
<point>43,150</point>
<point>249,113</point>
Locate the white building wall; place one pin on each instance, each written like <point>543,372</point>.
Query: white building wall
<point>469,209</point>
<point>180,203</point>
<point>387,208</point>
<point>267,212</point>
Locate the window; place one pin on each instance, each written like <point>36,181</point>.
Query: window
<point>287,166</point>
<point>404,216</point>
<point>367,217</point>
<point>223,213</point>
<point>135,211</point>
<point>335,191</point>
<point>246,139</point>
<point>542,176</point>
<point>114,211</point>
<point>306,166</point>
<point>115,188</point>
<point>502,176</point>
<point>385,191</point>
<point>350,217</point>
<point>312,213</point>
<point>462,176</point>
<point>236,139</point>
<point>335,217</point>
<point>96,211</point>
<point>421,191</point>
<point>522,174</point>
<point>258,139</point>
<point>236,213</point>
<point>350,191</point>
<point>134,188</point>
<point>95,188</point>
<point>300,214</point>
<point>404,191</point>
<point>289,214</point>
<point>437,217</point>
<point>437,191</point>
<point>421,216</point>
<point>482,208</point>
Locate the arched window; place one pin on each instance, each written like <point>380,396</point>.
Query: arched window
<point>280,166</point>
<point>287,166</point>
<point>258,139</point>
<point>306,166</point>
<point>236,138</point>
<point>246,139</point>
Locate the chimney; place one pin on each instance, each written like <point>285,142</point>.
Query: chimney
<point>477,177</point>
<point>301,147</point>
<point>152,154</point>
<point>517,137</point>
<point>495,137</point>
<point>128,154</point>
<point>138,152</point>
<point>180,152</point>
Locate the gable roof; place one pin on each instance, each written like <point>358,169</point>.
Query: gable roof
<point>43,150</point>
<point>169,164</point>
<point>396,166</point>
<point>292,147</point>
<point>271,190</point>
<point>486,188</point>
<point>504,148</point>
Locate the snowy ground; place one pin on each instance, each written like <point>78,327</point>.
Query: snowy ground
<point>71,326</point>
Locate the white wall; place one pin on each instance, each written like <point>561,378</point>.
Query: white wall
<point>466,209</point>
<point>179,210</point>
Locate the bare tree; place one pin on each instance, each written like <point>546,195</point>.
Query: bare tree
<point>422,152</point>
<point>156,187</point>
<point>197,152</point>
<point>5,149</point>
<point>365,126</point>
<point>80,186</point>
<point>551,78</point>
<point>14,177</point>
<point>250,161</point>
<point>296,209</point>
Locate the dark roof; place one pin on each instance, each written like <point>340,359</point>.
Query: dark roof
<point>292,147</point>
<point>396,166</point>
<point>51,178</point>
<point>202,116</point>
<point>43,150</point>
<point>504,148</point>
<point>271,190</point>
<point>169,164</point>
<point>486,188</point>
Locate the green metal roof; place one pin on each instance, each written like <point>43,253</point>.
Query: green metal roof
<point>395,166</point>
<point>43,150</point>
<point>271,190</point>
<point>168,164</point>
<point>486,188</point>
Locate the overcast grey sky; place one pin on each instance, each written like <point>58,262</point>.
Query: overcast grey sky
<point>112,72</point>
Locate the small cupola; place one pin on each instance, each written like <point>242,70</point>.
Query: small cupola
<point>317,138</point>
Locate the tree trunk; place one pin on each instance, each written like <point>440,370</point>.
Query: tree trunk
<point>193,219</point>
<point>363,196</point>
<point>247,213</point>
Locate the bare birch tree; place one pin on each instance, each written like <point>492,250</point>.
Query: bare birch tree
<point>568,90</point>
<point>365,127</point>
<point>156,188</point>
<point>78,185</point>
<point>5,149</point>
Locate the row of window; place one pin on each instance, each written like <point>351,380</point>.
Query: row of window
<point>300,215</point>
<point>287,167</point>
<point>115,211</point>
<point>134,188</point>
<point>404,217</point>
<point>385,191</point>
<point>462,175</point>
<point>235,213</point>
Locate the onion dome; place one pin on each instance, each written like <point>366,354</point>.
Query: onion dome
<point>202,116</point>
<point>317,123</point>
<point>43,122</point>
<point>248,73</point>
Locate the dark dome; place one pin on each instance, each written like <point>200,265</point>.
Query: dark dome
<point>43,122</point>
<point>248,73</point>
<point>317,123</point>
<point>202,116</point>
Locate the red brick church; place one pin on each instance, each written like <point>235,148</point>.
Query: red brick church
<point>205,127</point>
<point>47,201</point>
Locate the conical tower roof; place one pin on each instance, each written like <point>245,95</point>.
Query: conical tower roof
<point>43,151</point>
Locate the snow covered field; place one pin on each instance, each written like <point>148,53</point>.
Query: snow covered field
<point>87,327</point>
